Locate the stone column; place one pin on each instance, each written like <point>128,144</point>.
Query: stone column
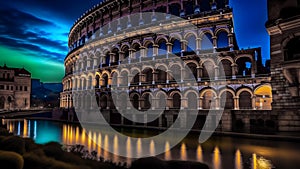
<point>198,44</point>
<point>216,72</point>
<point>200,103</point>
<point>234,70</point>
<point>253,102</point>
<point>236,102</point>
<point>214,38</point>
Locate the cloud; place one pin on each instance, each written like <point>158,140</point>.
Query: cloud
<point>25,32</point>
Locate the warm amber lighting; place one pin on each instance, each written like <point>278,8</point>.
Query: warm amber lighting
<point>89,141</point>
<point>138,147</point>
<point>263,97</point>
<point>238,160</point>
<point>116,148</point>
<point>94,141</point>
<point>152,148</point>
<point>99,144</point>
<point>199,154</point>
<point>71,135</point>
<point>64,134</point>
<point>183,155</point>
<point>216,158</point>
<point>25,129</point>
<point>106,147</point>
<point>254,160</point>
<point>167,151</point>
<point>83,137</point>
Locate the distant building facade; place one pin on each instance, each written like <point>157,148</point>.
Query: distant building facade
<point>15,88</point>
<point>246,95</point>
<point>284,29</point>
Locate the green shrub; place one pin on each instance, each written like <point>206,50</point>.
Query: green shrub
<point>13,143</point>
<point>11,160</point>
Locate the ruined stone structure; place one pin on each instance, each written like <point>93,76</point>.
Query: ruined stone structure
<point>246,94</point>
<point>284,29</point>
<point>15,88</point>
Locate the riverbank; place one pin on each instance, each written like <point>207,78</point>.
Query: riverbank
<point>24,153</point>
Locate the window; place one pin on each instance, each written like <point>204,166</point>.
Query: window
<point>11,88</point>
<point>21,88</point>
<point>2,87</point>
<point>17,88</point>
<point>25,88</point>
<point>7,87</point>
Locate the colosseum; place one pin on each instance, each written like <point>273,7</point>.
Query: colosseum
<point>222,74</point>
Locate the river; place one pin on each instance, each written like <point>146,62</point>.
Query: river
<point>219,152</point>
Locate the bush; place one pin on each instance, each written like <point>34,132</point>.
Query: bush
<point>11,160</point>
<point>13,143</point>
<point>53,149</point>
<point>4,132</point>
<point>186,164</point>
<point>149,163</point>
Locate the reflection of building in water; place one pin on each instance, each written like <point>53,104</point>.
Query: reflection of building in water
<point>205,49</point>
<point>15,88</point>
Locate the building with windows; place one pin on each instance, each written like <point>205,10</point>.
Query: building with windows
<point>284,29</point>
<point>15,88</point>
<point>246,93</point>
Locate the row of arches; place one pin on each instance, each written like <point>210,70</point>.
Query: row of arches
<point>178,8</point>
<point>207,69</point>
<point>6,102</point>
<point>207,98</point>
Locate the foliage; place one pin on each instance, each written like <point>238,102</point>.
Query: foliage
<point>11,160</point>
<point>13,143</point>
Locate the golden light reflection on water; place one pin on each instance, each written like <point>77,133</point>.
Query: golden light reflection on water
<point>254,164</point>
<point>116,148</point>
<point>216,158</point>
<point>128,149</point>
<point>25,128</point>
<point>106,146</point>
<point>94,141</point>
<point>167,151</point>
<point>152,148</point>
<point>199,153</point>
<point>89,141</point>
<point>83,137</point>
<point>138,147</point>
<point>183,155</point>
<point>99,144</point>
<point>238,160</point>
<point>77,135</point>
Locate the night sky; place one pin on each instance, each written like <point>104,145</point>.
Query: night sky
<point>34,33</point>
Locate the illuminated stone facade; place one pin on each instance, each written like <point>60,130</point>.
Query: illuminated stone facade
<point>15,88</point>
<point>211,43</point>
<point>284,29</point>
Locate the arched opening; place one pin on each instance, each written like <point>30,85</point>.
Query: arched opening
<point>125,50</point>
<point>137,51</point>
<point>162,50</point>
<point>192,101</point>
<point>227,100</point>
<point>225,70</point>
<point>161,9</point>
<point>176,49</point>
<point>189,7</point>
<point>90,82</point>
<point>162,101</point>
<point>176,73</point>
<point>208,70</point>
<point>136,77</point>
<point>114,79</point>
<point>115,51</point>
<point>83,81</point>
<point>292,50</point>
<point>97,81</point>
<point>148,75</point>
<point>161,74</point>
<point>135,101</point>
<point>263,97</point>
<point>191,71</point>
<point>222,39</point>
<point>176,101</point>
<point>208,101</point>
<point>207,42</point>
<point>245,100</point>
<point>146,101</point>
<point>2,102</point>
<point>244,66</point>
<point>149,48</point>
<point>105,80</point>
<point>122,103</point>
<point>107,59</point>
<point>124,78</point>
<point>191,43</point>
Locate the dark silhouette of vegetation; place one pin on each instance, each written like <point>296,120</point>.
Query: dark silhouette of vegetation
<point>11,160</point>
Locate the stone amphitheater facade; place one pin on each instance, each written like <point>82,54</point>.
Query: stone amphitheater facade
<point>222,75</point>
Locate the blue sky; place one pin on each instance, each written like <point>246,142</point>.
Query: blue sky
<point>34,33</point>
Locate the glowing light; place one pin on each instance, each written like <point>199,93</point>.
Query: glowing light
<point>217,158</point>
<point>77,135</point>
<point>199,154</point>
<point>90,141</point>
<point>254,160</point>
<point>116,148</point>
<point>139,147</point>
<point>94,140</point>
<point>128,149</point>
<point>64,134</point>
<point>152,148</point>
<point>25,129</point>
<point>238,160</point>
<point>183,155</point>
<point>167,151</point>
<point>83,137</point>
<point>99,144</point>
<point>106,146</point>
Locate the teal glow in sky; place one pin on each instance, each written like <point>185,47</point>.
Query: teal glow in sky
<point>34,34</point>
